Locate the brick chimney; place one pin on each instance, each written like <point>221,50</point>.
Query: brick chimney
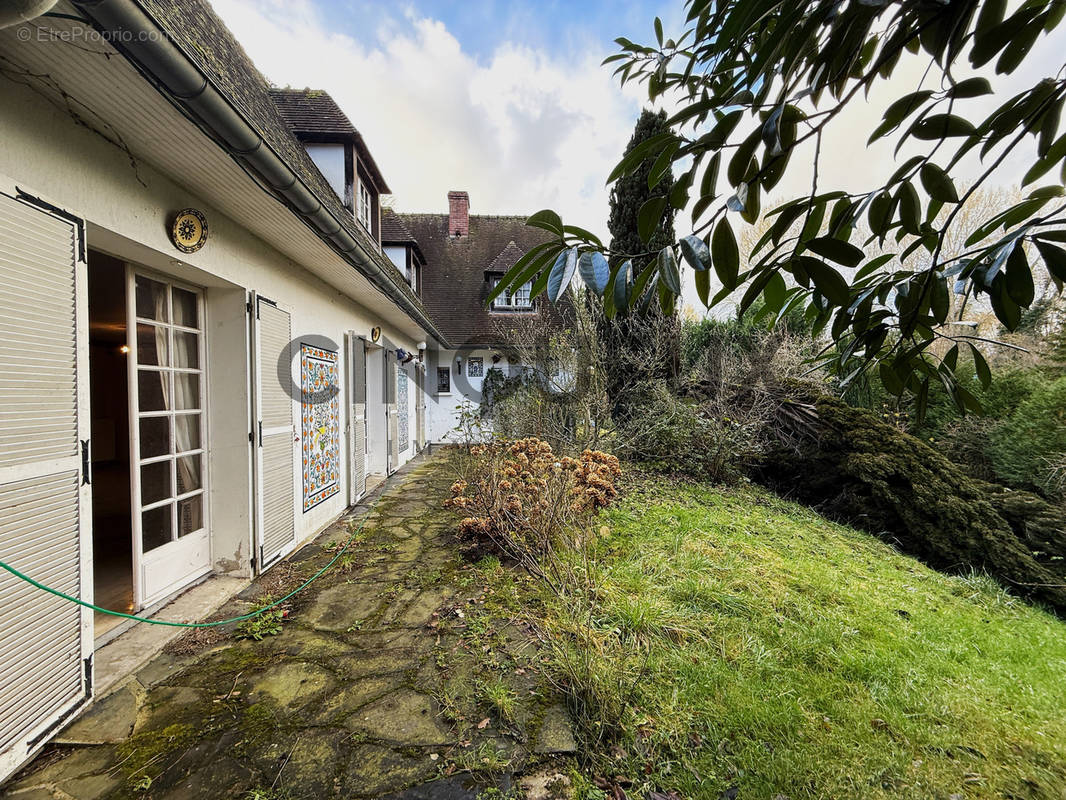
<point>458,214</point>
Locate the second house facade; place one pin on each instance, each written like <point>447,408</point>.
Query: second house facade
<point>458,258</point>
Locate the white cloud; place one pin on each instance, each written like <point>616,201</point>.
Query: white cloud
<point>520,131</point>
<point>523,129</point>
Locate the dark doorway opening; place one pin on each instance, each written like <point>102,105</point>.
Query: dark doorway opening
<point>110,431</point>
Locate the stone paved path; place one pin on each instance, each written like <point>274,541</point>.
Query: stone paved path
<point>389,678</point>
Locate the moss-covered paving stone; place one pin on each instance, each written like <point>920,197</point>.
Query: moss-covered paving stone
<point>374,686</point>
<point>291,684</point>
<point>374,770</point>
<point>346,605</point>
<point>352,696</point>
<point>110,720</point>
<point>404,717</point>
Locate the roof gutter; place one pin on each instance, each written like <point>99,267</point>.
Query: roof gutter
<point>135,33</point>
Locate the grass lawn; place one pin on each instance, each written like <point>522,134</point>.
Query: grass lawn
<point>765,648</point>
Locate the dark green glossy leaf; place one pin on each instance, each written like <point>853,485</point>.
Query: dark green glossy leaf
<point>988,38</point>
<point>828,281</point>
<point>938,183</point>
<point>755,288</point>
<point>910,208</point>
<point>940,126</point>
<point>873,265</point>
<point>660,168</point>
<point>980,366</point>
<point>836,250</point>
<point>889,379</point>
<point>594,271</point>
<point>667,297</point>
<point>880,213</point>
<point>703,286</point>
<point>562,273</point>
<point>584,235</point>
<point>546,220</point>
<point>971,87</point>
<point>635,157</point>
<point>668,272</point>
<point>741,160</point>
<point>649,217</point>
<point>1055,155</point>
<point>527,267</point>
<point>1020,286</point>
<point>719,134</point>
<point>940,300</point>
<point>900,109</point>
<point>921,400</point>
<point>1006,310</point>
<point>1020,45</point>
<point>774,292</point>
<point>1054,258</point>
<point>694,251</point>
<point>725,254</point>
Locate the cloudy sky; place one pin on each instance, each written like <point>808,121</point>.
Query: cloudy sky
<point>507,100</point>
<point>503,99</point>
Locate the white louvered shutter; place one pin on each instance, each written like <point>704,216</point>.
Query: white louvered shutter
<point>45,518</point>
<point>357,416</point>
<point>390,406</point>
<point>420,409</point>
<point>276,502</point>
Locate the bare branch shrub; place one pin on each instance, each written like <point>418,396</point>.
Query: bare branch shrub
<point>558,393</point>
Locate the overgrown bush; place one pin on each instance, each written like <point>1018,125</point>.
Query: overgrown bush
<point>538,509</point>
<point>720,424</point>
<point>683,435</point>
<point>557,394</point>
<point>895,486</point>
<point>1016,440</point>
<point>1032,439</point>
<point>529,502</point>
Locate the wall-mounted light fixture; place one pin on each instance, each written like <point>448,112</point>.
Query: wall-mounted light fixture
<point>124,349</point>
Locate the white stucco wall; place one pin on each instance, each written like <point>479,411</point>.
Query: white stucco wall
<point>127,208</point>
<point>442,410</point>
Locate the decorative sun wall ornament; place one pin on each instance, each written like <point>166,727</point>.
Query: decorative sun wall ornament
<point>189,230</point>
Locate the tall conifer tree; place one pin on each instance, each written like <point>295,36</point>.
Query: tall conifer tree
<point>642,345</point>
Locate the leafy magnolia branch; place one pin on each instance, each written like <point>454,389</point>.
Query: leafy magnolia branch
<point>756,79</point>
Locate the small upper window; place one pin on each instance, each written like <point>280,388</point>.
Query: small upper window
<point>475,367</point>
<point>444,379</point>
<point>365,205</point>
<point>519,300</point>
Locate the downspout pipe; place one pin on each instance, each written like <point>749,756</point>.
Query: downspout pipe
<point>133,31</point>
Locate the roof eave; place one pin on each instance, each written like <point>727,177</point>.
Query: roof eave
<point>145,43</point>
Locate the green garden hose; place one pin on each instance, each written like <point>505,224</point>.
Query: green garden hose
<point>255,613</point>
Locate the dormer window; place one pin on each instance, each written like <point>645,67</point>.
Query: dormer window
<point>338,150</point>
<point>519,300</point>
<point>364,212</point>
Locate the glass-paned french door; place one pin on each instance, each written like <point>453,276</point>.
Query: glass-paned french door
<point>168,465</point>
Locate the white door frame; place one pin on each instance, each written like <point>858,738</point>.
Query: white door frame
<point>355,418</point>
<point>174,565</point>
